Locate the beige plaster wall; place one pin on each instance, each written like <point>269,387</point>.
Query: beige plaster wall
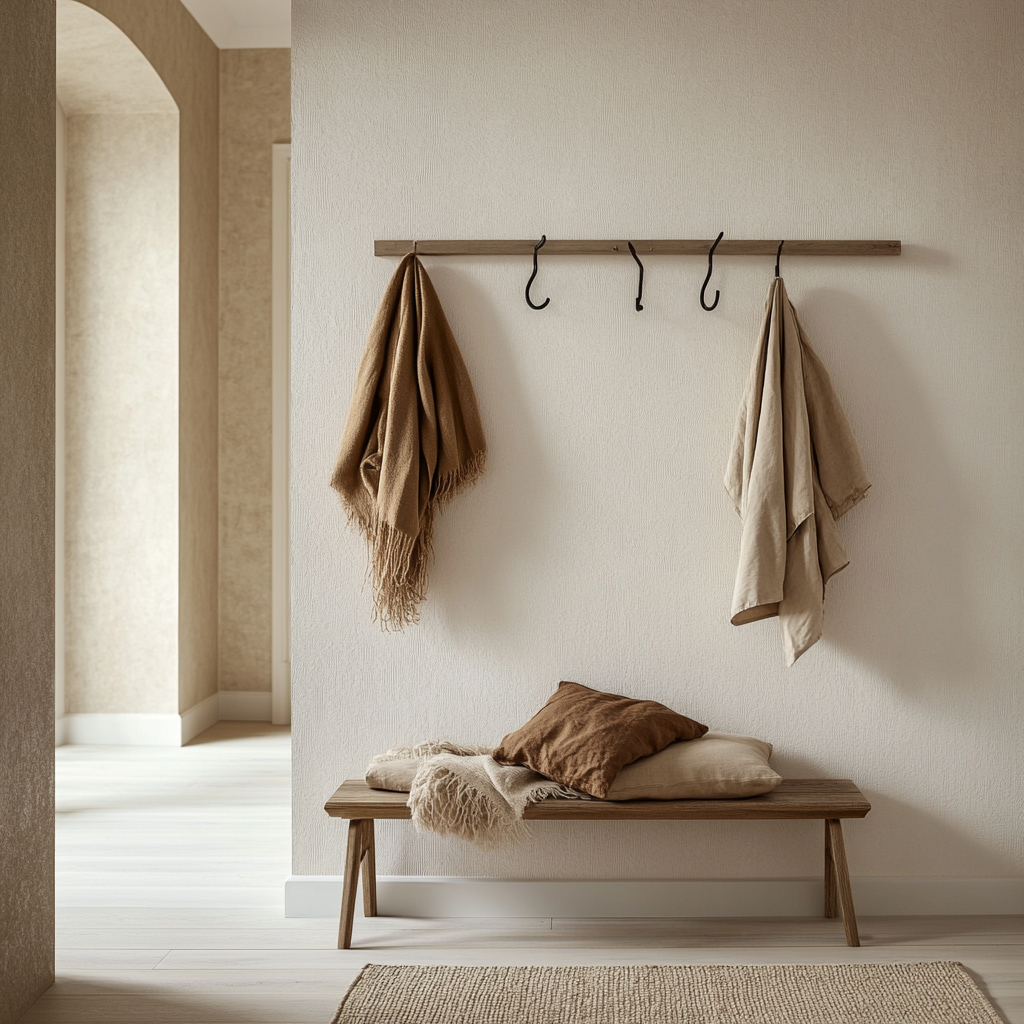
<point>187,61</point>
<point>99,70</point>
<point>58,420</point>
<point>600,546</point>
<point>121,413</point>
<point>255,113</point>
<point>27,174</point>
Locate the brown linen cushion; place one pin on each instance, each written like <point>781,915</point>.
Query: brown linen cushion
<point>720,765</point>
<point>583,737</point>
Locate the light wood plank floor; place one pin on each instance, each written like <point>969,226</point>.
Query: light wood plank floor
<point>170,871</point>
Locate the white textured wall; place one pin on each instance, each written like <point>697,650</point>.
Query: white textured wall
<point>121,419</point>
<point>601,546</point>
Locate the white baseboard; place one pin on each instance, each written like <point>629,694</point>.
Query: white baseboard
<point>166,730</point>
<point>413,896</point>
<point>245,705</point>
<point>199,718</point>
<point>123,730</point>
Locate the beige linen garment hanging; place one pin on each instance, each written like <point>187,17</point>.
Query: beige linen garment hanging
<point>413,439</point>
<point>793,471</point>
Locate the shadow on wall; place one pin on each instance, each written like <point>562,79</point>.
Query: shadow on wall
<point>481,537</point>
<point>905,610</point>
<point>906,839</point>
<point>902,838</point>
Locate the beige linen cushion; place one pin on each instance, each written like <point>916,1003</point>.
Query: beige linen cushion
<point>394,775</point>
<point>719,765</point>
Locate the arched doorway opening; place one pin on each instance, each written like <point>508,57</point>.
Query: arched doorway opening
<point>118,372</point>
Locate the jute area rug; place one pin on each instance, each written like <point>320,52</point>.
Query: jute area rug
<point>928,993</point>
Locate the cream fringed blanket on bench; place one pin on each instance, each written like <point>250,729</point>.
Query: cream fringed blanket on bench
<point>462,791</point>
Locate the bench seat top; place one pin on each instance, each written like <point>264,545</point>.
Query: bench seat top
<point>794,798</point>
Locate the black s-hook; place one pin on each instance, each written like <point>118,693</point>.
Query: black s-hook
<point>640,286</point>
<point>529,301</point>
<point>711,252</point>
<point>778,256</point>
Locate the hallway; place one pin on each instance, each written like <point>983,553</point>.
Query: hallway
<point>170,871</point>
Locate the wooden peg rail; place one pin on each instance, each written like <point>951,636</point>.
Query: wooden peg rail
<point>650,247</point>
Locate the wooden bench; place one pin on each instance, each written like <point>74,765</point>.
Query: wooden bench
<point>796,799</point>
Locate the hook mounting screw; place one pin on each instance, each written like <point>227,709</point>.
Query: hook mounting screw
<point>640,286</point>
<point>529,301</point>
<point>711,253</point>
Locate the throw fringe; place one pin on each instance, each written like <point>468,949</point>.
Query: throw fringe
<point>398,565</point>
<point>455,482</point>
<point>398,569</point>
<point>472,797</point>
<point>460,790</point>
<point>446,802</point>
<point>429,749</point>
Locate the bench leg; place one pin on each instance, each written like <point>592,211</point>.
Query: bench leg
<point>369,871</point>
<point>830,876</point>
<point>353,858</point>
<point>842,880</point>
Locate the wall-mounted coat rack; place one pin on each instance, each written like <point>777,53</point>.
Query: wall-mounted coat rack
<point>650,247</point>
<point>620,247</point>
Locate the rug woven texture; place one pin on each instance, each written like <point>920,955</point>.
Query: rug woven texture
<point>922,993</point>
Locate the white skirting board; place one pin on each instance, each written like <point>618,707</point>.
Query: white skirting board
<point>127,730</point>
<point>412,896</point>
<point>199,718</point>
<point>244,705</point>
<point>163,730</point>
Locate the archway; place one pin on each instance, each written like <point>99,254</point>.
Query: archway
<point>119,387</point>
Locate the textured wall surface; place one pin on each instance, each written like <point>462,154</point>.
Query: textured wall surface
<point>255,112</point>
<point>121,561</point>
<point>601,546</point>
<point>99,70</point>
<point>27,174</point>
<point>59,461</point>
<point>187,61</point>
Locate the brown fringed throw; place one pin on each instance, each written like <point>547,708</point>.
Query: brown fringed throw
<point>413,440</point>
